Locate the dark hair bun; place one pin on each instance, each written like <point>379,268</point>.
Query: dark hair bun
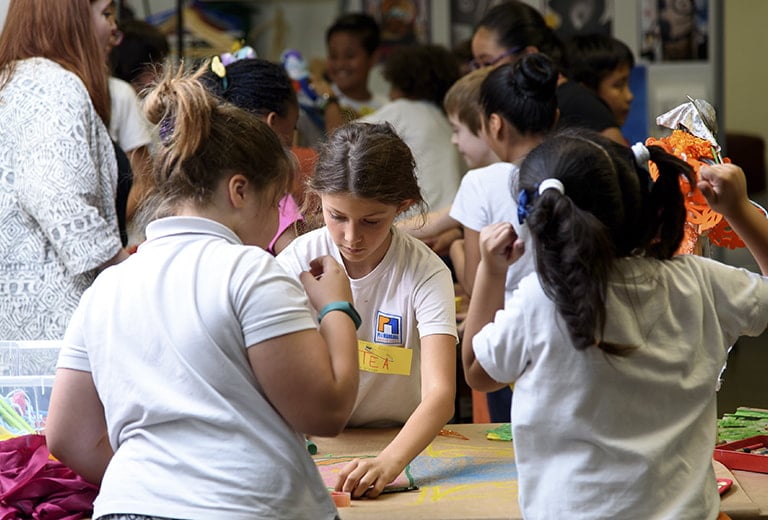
<point>535,76</point>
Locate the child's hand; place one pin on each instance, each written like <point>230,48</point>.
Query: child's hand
<point>325,282</point>
<point>725,187</point>
<point>365,477</point>
<point>500,246</point>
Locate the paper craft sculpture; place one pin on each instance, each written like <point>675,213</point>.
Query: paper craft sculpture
<point>694,126</point>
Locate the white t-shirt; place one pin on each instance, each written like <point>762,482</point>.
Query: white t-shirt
<point>127,126</point>
<point>426,130</point>
<point>363,108</point>
<point>407,296</point>
<point>165,335</point>
<point>602,437</point>
<point>486,197</point>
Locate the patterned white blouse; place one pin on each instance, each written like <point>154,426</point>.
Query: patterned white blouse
<point>58,178</point>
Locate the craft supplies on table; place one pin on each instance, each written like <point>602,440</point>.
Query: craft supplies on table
<point>744,422</point>
<point>750,454</point>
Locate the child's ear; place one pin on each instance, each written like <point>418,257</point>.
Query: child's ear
<point>237,189</point>
<point>495,126</point>
<point>405,205</point>
<point>270,119</point>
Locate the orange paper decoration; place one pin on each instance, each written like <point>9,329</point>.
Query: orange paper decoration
<point>702,221</point>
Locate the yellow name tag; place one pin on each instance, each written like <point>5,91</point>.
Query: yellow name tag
<point>384,359</point>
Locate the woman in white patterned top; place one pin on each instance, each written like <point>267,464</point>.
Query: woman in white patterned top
<point>58,226</point>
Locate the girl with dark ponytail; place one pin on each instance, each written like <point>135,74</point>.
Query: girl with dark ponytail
<point>614,345</point>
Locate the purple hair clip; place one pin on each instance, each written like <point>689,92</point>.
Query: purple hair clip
<point>166,129</point>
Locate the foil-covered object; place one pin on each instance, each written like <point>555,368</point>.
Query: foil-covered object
<point>696,117</point>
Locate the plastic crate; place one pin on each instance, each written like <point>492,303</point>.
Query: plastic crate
<point>27,370</point>
<point>746,454</point>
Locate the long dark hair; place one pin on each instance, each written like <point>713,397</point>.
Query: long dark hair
<point>609,209</point>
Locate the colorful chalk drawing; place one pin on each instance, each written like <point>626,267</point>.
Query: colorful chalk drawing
<point>451,472</point>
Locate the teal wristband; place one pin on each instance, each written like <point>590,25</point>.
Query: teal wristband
<point>344,307</point>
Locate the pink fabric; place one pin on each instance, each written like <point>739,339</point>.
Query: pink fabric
<point>289,214</point>
<point>34,486</point>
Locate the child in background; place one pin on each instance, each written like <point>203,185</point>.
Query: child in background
<point>462,106</point>
<point>519,109</point>
<point>513,28</point>
<point>614,344</point>
<point>176,384</point>
<point>264,89</point>
<point>364,179</point>
<point>419,77</point>
<point>352,44</point>
<point>602,63</point>
<point>139,56</point>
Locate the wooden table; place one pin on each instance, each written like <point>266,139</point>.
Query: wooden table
<point>477,479</point>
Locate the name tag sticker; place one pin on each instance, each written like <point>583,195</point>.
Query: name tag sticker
<point>384,359</point>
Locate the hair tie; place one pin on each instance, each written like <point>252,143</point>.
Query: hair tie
<point>551,183</point>
<point>240,51</point>
<point>523,199</point>
<point>218,68</point>
<point>642,155</point>
<point>166,129</point>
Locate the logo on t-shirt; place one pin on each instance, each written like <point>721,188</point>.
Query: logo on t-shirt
<point>388,329</point>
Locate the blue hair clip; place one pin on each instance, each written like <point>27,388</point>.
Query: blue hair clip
<point>523,200</point>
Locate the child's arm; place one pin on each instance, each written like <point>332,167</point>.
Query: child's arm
<point>499,248</point>
<point>471,258</point>
<point>311,376</point>
<point>438,391</point>
<point>433,223</point>
<point>725,188</point>
<point>76,431</point>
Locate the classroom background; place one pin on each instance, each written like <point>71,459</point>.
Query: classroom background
<point>727,71</point>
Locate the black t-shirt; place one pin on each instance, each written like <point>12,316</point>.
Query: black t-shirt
<point>124,183</point>
<point>582,108</point>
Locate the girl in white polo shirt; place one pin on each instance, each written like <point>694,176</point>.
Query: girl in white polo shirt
<point>364,178</point>
<point>176,385</point>
<point>615,343</point>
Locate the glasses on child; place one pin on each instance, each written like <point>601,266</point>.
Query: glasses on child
<point>475,64</point>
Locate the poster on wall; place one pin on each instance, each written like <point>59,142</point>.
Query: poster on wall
<point>402,22</point>
<point>674,30</point>
<point>571,17</point>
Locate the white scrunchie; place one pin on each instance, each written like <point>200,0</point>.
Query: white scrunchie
<point>551,183</point>
<point>642,155</point>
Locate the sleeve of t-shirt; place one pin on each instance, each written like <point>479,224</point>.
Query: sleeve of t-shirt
<point>741,299</point>
<point>434,303</point>
<point>467,208</point>
<point>131,129</point>
<point>73,354</point>
<point>268,301</point>
<point>500,346</point>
